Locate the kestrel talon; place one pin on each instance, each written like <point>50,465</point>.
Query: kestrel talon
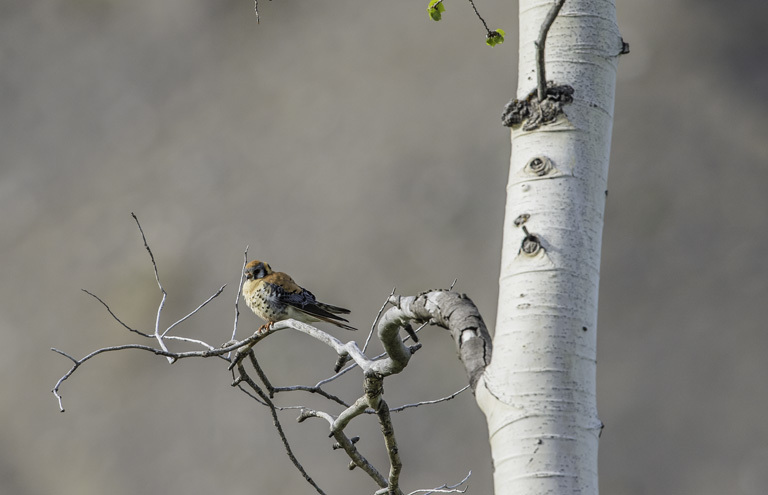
<point>274,296</point>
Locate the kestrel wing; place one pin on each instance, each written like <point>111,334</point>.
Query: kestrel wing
<point>286,291</point>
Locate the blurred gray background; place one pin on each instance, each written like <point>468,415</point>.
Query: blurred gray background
<point>357,145</point>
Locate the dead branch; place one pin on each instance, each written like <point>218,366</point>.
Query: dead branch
<point>454,312</point>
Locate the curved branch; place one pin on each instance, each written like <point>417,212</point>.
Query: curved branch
<point>450,310</point>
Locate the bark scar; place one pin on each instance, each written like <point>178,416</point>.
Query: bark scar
<point>532,113</point>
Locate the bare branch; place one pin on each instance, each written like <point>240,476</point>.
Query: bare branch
<point>541,76</point>
<point>151,256</point>
<point>313,390</point>
<point>78,362</point>
<point>350,413</point>
<point>348,445</point>
<point>342,349</point>
<point>162,290</point>
<point>336,375</point>
<point>193,341</point>
<point>388,431</point>
<point>174,356</point>
<point>485,25</point>
<point>262,375</point>
<point>375,358</point>
<point>239,290</point>
<point>238,382</point>
<point>115,316</point>
<point>221,289</point>
<point>428,402</point>
<point>376,320</point>
<point>450,310</point>
<point>445,488</point>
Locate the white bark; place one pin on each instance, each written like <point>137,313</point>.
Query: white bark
<point>538,393</point>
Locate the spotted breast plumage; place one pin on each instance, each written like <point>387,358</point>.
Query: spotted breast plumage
<point>274,296</point>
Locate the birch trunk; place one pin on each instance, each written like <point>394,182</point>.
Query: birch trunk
<point>538,393</point>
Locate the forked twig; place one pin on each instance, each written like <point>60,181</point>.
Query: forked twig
<point>160,285</point>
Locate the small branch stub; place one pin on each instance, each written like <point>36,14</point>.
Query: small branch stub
<point>624,47</point>
<point>539,166</point>
<point>531,243</point>
<point>521,219</point>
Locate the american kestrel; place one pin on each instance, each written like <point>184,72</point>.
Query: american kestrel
<point>274,296</point>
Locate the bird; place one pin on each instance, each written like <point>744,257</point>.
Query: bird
<point>274,296</point>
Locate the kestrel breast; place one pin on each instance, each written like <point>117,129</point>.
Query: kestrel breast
<point>264,303</point>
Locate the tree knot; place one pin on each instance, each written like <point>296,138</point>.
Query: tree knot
<point>536,113</point>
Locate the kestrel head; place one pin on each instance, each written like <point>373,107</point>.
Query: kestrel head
<point>257,269</point>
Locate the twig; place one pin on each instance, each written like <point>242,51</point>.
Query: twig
<point>221,289</point>
<point>376,320</point>
<point>238,383</point>
<point>115,316</point>
<point>174,356</point>
<point>540,45</point>
<point>445,488</point>
<point>427,402</point>
<point>239,291</point>
<point>336,375</point>
<point>262,375</point>
<point>485,25</point>
<point>313,390</point>
<point>162,290</point>
<point>151,256</point>
<point>273,390</point>
<point>193,341</point>
<point>78,362</point>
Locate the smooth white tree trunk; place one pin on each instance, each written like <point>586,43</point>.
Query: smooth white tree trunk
<point>538,393</point>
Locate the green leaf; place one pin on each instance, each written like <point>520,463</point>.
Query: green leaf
<point>435,9</point>
<point>495,37</point>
